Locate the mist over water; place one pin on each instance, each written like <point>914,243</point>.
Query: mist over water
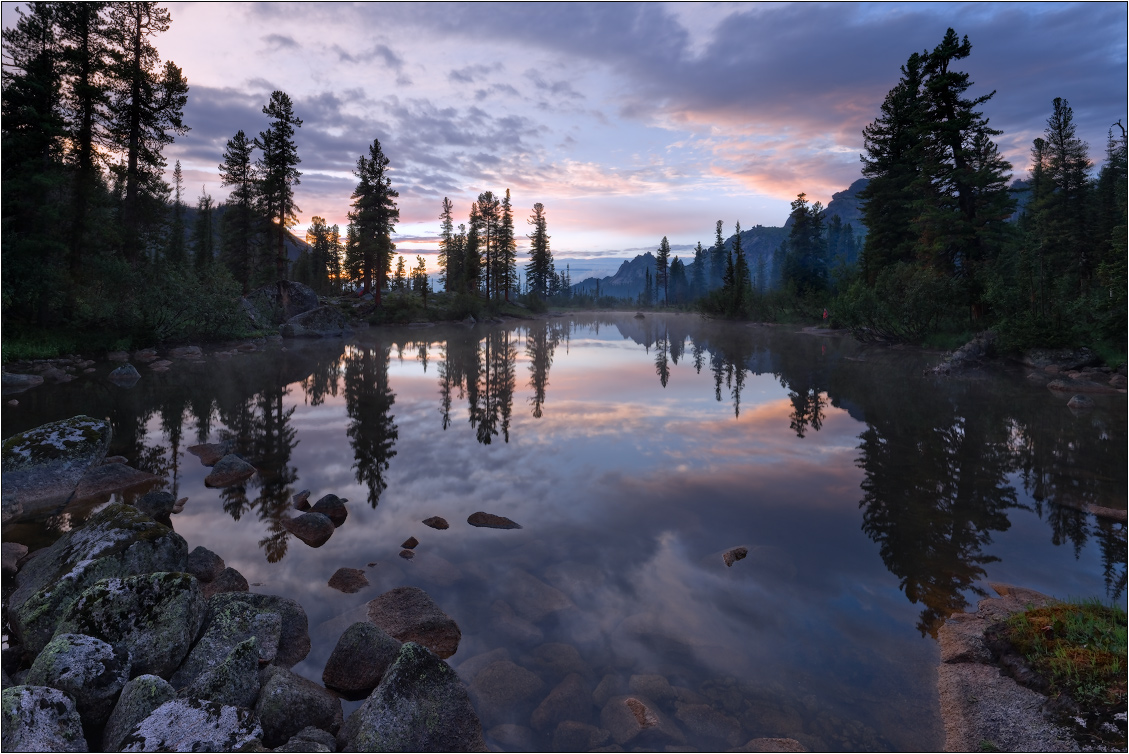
<point>873,501</point>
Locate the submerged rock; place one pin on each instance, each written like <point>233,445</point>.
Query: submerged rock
<point>138,699</point>
<point>17,383</point>
<point>156,616</point>
<point>12,554</point>
<point>490,521</point>
<point>360,659</point>
<point>571,735</point>
<point>314,529</point>
<point>571,699</point>
<point>732,556</point>
<point>637,721</point>
<point>91,671</point>
<point>42,466</point>
<point>118,541</point>
<point>348,580</point>
<point>420,705</point>
<point>37,718</point>
<point>436,522</point>
<point>407,554</point>
<point>193,725</point>
<point>288,703</point>
<point>229,470</point>
<point>504,691</point>
<point>409,614</point>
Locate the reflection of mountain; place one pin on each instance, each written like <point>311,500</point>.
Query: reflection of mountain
<point>372,430</point>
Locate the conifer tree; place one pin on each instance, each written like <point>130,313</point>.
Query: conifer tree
<point>472,252</point>
<point>240,219</point>
<point>740,271</point>
<point>698,284</point>
<point>176,253</point>
<point>539,271</point>
<point>420,282</point>
<point>448,266</point>
<point>662,270</point>
<point>278,174</point>
<point>718,258</point>
<point>400,277</point>
<point>487,226</point>
<point>507,248</point>
<point>375,215</point>
<point>203,233</point>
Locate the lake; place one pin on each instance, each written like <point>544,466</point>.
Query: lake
<point>873,501</point>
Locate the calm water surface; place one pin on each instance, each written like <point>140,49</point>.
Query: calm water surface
<point>874,501</point>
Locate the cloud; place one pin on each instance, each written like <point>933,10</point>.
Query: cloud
<point>470,74</point>
<point>391,58</point>
<point>559,88</point>
<point>281,42</point>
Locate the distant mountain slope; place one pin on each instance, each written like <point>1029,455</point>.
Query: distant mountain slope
<point>294,245</point>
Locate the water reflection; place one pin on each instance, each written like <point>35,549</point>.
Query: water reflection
<point>372,428</point>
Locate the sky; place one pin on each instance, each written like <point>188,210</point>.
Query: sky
<point>629,122</point>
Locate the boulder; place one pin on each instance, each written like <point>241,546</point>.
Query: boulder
<point>227,625</point>
<point>294,640</point>
<point>229,580</point>
<point>234,681</point>
<point>144,354</point>
<point>106,479</point>
<point>571,699</point>
<point>652,686</point>
<point>436,522</point>
<point>194,725</point>
<point>37,718</point>
<point>409,614</point>
<point>636,721</point>
<point>472,666</point>
<point>407,554</point>
<point>118,541</point>
<point>91,671</point>
<point>288,703</point>
<point>490,521</point>
<point>410,543</point>
<point>554,660</point>
<point>323,322</point>
<point>360,659</point>
<point>210,453</point>
<point>186,352</point>
<point>138,699</point>
<point>1064,358</point>
<point>420,705</point>
<point>12,553</point>
<point>125,376</point>
<point>704,721</point>
<point>332,507</point>
<point>571,735</point>
<point>17,383</point>
<point>313,735</point>
<point>610,685</point>
<point>42,466</point>
<point>276,303</point>
<point>302,500</point>
<point>155,616</point>
<point>732,556</point>
<point>504,692</point>
<point>348,580</point>
<point>229,470</point>
<point>314,529</point>
<point>157,505</point>
<point>1080,402</point>
<point>204,564</point>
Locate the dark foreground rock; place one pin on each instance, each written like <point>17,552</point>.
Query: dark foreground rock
<point>228,625</point>
<point>91,671</point>
<point>420,705</point>
<point>332,507</point>
<point>359,661</point>
<point>490,521</point>
<point>314,529</point>
<point>37,718</point>
<point>193,725</point>
<point>294,638</point>
<point>138,699</point>
<point>288,703</point>
<point>42,466</point>
<point>409,614</point>
<point>323,322</point>
<point>436,522</point>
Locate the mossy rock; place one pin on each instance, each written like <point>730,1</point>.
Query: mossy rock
<point>37,718</point>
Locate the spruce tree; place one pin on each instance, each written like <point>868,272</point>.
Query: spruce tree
<point>375,215</point>
<point>240,218</point>
<point>448,267</point>
<point>472,252</point>
<point>488,220</point>
<point>740,272</point>
<point>203,233</point>
<point>718,261</point>
<point>539,271</point>
<point>176,252</point>
<point>662,270</point>
<point>278,174</point>
<point>698,284</point>
<point>507,247</point>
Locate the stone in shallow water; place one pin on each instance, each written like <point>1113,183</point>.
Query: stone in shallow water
<point>204,564</point>
<point>407,554</point>
<point>409,614</point>
<point>771,745</point>
<point>637,721</point>
<point>37,718</point>
<point>503,692</point>
<point>124,376</point>
<point>348,580</point>
<point>229,470</point>
<point>193,725</point>
<point>436,522</point>
<point>359,661</point>
<point>703,720</point>
<point>410,543</point>
<point>110,478</point>
<point>228,580</point>
<point>302,500</point>
<point>332,507</point>
<point>491,521</point>
<point>571,699</point>
<point>210,453</point>
<point>732,556</point>
<point>13,552</point>
<point>312,528</point>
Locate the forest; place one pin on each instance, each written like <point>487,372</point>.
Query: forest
<point>99,249</point>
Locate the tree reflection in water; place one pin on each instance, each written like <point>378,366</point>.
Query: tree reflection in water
<point>372,430</point>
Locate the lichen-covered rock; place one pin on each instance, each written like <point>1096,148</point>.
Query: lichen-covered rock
<point>323,322</point>
<point>155,616</point>
<point>193,725</point>
<point>228,580</point>
<point>226,626</point>
<point>204,564</point>
<point>409,614</point>
<point>138,699</point>
<point>360,659</point>
<point>314,529</point>
<point>332,507</point>
<point>420,705</point>
<point>229,470</point>
<point>118,541</point>
<point>234,681</point>
<point>89,669</point>
<point>294,640</point>
<point>312,735</point>
<point>42,466</point>
<point>37,718</point>
<point>288,703</point>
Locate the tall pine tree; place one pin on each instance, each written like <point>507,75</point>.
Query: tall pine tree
<point>278,175</point>
<point>374,216</point>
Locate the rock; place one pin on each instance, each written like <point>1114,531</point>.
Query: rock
<point>436,522</point>
<point>1071,385</point>
<point>155,616</point>
<point>532,598</point>
<point>37,718</point>
<point>144,354</point>
<point>1080,402</point>
<point>490,521</point>
<point>469,320</point>
<point>652,686</point>
<point>91,671</point>
<point>348,580</point>
<point>117,542</point>
<point>229,470</point>
<point>228,624</point>
<point>229,580</point>
<point>637,721</point>
<point>420,705</point>
<point>126,375</point>
<point>1065,359</point>
<point>554,660</point>
<point>160,364</point>
<point>410,543</point>
<point>310,734</point>
<point>640,315</point>
<point>106,479</point>
<point>1118,381</point>
<point>294,640</point>
<point>610,685</point>
<point>732,556</point>
<point>17,383</point>
<point>288,703</point>
<point>138,699</point>
<point>512,737</point>
<point>360,659</point>
<point>332,507</point>
<point>12,553</point>
<point>514,628</point>
<point>571,699</point>
<point>55,375</point>
<point>981,347</point>
<point>194,725</point>
<point>13,402</point>
<point>234,681</point>
<point>204,564</point>
<point>571,735</point>
<point>117,356</point>
<point>302,500</point>
<point>210,453</point>
<point>771,745</point>
<point>704,721</point>
<point>42,466</point>
<point>471,667</point>
<point>314,529</point>
<point>323,322</point>
<point>186,352</point>
<point>276,303</point>
<point>409,614</point>
<point>503,692</point>
<point>156,505</point>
